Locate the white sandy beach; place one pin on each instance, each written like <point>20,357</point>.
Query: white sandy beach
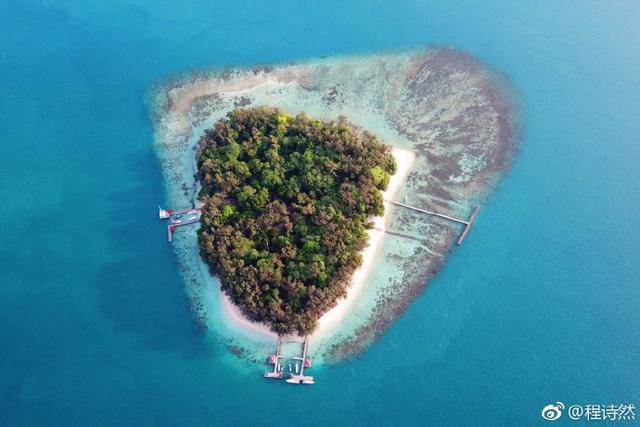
<point>331,319</point>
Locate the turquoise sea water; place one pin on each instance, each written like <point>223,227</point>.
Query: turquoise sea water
<point>539,305</point>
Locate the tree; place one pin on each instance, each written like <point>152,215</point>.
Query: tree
<point>286,203</point>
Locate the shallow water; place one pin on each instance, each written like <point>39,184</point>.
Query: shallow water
<point>461,142</point>
<point>540,303</point>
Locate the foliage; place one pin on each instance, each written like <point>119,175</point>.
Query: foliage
<point>286,203</point>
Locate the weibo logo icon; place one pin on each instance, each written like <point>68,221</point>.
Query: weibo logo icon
<point>552,412</point>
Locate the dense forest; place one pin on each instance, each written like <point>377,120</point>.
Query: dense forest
<point>286,204</point>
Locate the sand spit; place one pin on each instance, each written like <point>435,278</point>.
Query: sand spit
<point>448,113</point>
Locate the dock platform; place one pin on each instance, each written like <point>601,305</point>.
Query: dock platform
<point>274,360</point>
<point>468,223</point>
<point>277,359</point>
<point>175,219</point>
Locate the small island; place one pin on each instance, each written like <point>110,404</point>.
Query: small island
<point>286,203</point>
<point>451,127</point>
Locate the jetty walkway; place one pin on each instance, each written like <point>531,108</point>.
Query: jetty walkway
<point>176,219</point>
<point>278,362</point>
<point>468,223</point>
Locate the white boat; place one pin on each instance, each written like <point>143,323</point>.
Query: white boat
<point>163,213</point>
<point>276,375</point>
<point>300,379</point>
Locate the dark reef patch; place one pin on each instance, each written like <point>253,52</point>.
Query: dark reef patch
<point>478,123</point>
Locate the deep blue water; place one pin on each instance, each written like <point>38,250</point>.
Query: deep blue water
<point>540,304</point>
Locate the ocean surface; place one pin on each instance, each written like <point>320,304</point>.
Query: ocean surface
<point>539,305</point>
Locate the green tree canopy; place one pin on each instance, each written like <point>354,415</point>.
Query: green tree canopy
<point>286,202</point>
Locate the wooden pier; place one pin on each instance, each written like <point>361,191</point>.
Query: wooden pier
<point>174,219</point>
<point>172,227</point>
<point>169,213</point>
<point>277,360</point>
<point>274,360</point>
<point>468,223</point>
<point>301,378</point>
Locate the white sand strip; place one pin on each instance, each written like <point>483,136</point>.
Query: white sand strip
<point>234,319</point>
<point>331,319</point>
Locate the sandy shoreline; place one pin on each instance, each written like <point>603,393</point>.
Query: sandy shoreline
<point>233,317</point>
